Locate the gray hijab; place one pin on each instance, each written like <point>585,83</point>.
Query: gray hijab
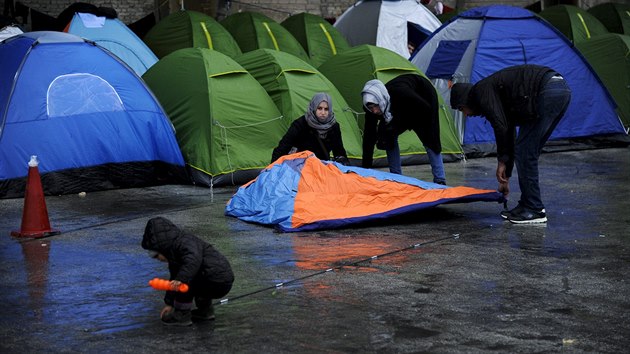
<point>375,91</point>
<point>322,127</point>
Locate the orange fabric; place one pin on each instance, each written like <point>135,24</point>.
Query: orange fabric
<point>338,195</point>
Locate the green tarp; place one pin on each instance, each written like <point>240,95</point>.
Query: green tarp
<point>317,36</point>
<point>291,83</point>
<point>226,124</point>
<point>349,71</point>
<point>253,30</point>
<point>190,29</point>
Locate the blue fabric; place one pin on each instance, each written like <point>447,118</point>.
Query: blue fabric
<point>446,59</point>
<point>75,136</point>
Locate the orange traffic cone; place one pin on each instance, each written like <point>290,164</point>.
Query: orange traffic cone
<point>35,215</point>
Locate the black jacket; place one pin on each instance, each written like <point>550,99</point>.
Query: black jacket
<point>414,106</point>
<point>301,136</point>
<point>507,99</point>
<point>189,257</point>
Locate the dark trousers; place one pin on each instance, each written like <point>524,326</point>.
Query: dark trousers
<point>553,101</point>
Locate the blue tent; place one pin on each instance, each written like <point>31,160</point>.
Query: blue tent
<point>481,41</point>
<point>115,36</point>
<point>90,120</point>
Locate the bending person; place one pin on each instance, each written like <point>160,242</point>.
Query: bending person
<point>407,102</point>
<point>531,97</point>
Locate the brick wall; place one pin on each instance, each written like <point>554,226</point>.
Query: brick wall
<point>132,10</point>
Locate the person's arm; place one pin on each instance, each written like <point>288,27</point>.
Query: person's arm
<point>369,139</point>
<point>336,140</point>
<point>189,256</point>
<point>287,142</point>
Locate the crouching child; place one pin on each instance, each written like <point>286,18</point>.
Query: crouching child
<point>191,261</point>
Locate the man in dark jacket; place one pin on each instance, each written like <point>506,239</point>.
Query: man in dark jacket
<point>191,261</point>
<point>407,102</point>
<point>532,97</point>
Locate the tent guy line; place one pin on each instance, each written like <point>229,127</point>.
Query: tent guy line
<point>355,263</point>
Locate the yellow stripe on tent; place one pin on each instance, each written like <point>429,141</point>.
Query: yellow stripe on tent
<point>205,31</point>
<point>273,39</point>
<point>330,40</point>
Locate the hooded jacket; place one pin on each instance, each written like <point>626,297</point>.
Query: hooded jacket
<point>414,106</point>
<point>188,256</point>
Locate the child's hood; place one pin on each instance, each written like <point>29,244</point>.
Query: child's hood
<point>159,235</point>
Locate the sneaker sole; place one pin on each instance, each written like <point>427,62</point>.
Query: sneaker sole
<point>532,221</point>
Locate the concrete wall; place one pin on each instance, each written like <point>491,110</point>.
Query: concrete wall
<point>132,10</point>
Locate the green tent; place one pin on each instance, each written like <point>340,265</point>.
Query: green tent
<point>609,55</point>
<point>349,71</point>
<point>317,36</point>
<point>226,124</point>
<point>616,17</point>
<point>291,83</point>
<point>575,23</point>
<point>190,29</point>
<point>253,30</point>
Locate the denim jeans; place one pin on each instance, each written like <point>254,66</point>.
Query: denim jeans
<point>435,159</point>
<point>552,103</point>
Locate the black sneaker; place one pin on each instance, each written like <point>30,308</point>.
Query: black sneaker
<point>516,210</point>
<point>526,216</point>
<point>180,318</point>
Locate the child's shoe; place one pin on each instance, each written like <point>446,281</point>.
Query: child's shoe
<point>204,310</point>
<point>176,317</point>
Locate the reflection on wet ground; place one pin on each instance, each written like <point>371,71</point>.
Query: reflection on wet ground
<point>450,279</point>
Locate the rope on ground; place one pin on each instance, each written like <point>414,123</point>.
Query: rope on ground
<point>279,285</point>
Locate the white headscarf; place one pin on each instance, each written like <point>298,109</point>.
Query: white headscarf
<point>322,127</point>
<point>375,91</point>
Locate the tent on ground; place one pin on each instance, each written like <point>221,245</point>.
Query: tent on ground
<point>390,24</point>
<point>575,23</point>
<point>115,36</point>
<point>190,29</point>
<point>317,36</point>
<point>9,31</point>
<point>227,126</point>
<point>93,127</point>
<point>253,30</point>
<point>483,40</point>
<point>291,83</point>
<point>299,192</point>
<point>349,71</point>
<point>616,17</point>
<point>609,55</point>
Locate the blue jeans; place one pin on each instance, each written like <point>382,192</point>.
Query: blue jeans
<point>553,101</point>
<point>435,159</point>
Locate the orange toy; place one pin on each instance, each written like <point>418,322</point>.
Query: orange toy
<point>163,284</point>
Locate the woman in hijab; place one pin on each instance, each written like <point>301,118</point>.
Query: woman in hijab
<point>316,131</point>
<point>407,102</point>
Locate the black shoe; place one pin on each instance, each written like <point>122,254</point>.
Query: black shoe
<point>505,214</point>
<point>181,318</point>
<point>527,216</point>
<point>204,310</point>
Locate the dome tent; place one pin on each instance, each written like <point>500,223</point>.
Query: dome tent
<point>291,83</point>
<point>93,127</point>
<point>349,71</point>
<point>190,29</point>
<point>575,23</point>
<point>481,41</point>
<point>317,36</point>
<point>615,16</point>
<point>390,24</point>
<point>253,30</point>
<point>227,126</point>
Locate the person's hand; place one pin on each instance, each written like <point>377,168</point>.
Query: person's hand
<point>166,310</point>
<point>175,284</point>
<point>504,188</point>
<point>501,177</point>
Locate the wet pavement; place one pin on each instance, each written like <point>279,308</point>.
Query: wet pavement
<point>452,279</point>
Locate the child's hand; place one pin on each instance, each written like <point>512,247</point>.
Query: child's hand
<point>165,310</point>
<point>175,284</point>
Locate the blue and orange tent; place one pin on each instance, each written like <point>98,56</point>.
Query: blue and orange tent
<point>299,192</point>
